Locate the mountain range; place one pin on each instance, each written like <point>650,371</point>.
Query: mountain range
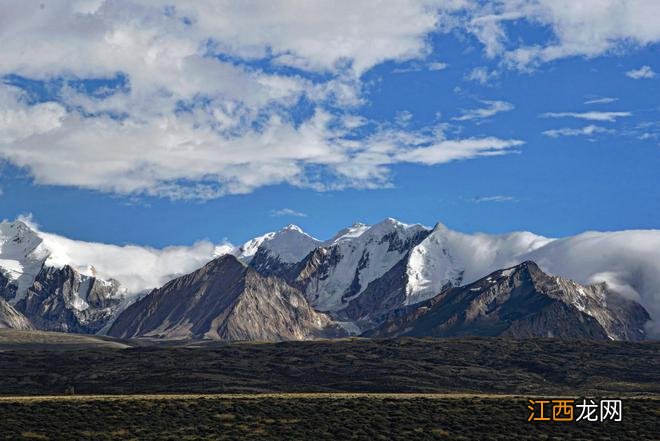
<point>387,279</point>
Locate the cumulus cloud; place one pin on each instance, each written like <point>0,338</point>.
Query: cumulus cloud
<point>207,108</point>
<point>197,118</point>
<point>592,116</point>
<point>491,108</point>
<point>586,28</point>
<point>642,72</point>
<point>567,131</point>
<point>286,212</point>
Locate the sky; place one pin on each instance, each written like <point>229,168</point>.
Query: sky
<point>163,123</point>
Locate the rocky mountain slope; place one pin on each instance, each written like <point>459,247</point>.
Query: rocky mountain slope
<point>521,302</point>
<point>51,298</point>
<point>224,300</point>
<point>12,319</point>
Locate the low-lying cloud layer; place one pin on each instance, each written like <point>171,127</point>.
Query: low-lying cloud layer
<point>628,261</point>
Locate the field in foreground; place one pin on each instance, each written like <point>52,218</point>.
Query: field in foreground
<point>469,388</point>
<point>53,364</point>
<point>361,417</point>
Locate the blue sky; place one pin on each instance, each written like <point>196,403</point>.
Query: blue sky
<point>159,125</point>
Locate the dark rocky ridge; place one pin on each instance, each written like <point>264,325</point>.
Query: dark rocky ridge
<point>10,318</point>
<point>53,302</point>
<point>224,300</point>
<point>521,302</point>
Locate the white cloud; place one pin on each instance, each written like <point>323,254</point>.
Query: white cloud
<point>629,261</point>
<point>452,150</point>
<point>642,72</point>
<point>586,28</point>
<point>198,126</point>
<point>286,212</point>
<point>592,116</point>
<point>403,117</point>
<point>603,100</point>
<point>496,198</point>
<point>567,131</point>
<point>137,268</point>
<point>417,66</point>
<point>644,136</point>
<point>626,260</point>
<point>437,66</point>
<point>236,132</point>
<point>18,120</point>
<point>481,75</point>
<point>492,108</point>
<point>307,35</point>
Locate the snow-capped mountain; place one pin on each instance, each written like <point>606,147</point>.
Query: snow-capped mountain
<point>22,255</point>
<point>50,297</point>
<point>358,277</point>
<point>278,252</point>
<point>339,271</point>
<point>521,302</point>
<point>449,258</point>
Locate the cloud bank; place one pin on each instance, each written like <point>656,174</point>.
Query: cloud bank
<point>208,98</point>
<point>137,268</point>
<point>628,261</point>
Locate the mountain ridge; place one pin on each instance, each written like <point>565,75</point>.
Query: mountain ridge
<point>521,302</point>
<point>356,278</point>
<point>224,300</point>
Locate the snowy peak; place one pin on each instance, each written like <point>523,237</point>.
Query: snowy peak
<point>390,225</point>
<point>22,254</point>
<point>344,267</point>
<point>17,240</point>
<point>294,228</point>
<point>246,252</point>
<point>289,245</point>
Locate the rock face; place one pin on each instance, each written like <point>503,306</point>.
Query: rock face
<point>521,302</point>
<point>224,300</point>
<point>10,318</point>
<point>61,299</point>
